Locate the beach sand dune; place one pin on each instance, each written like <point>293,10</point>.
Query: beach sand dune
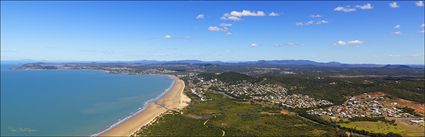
<point>174,99</point>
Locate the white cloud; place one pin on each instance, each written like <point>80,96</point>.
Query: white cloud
<point>345,9</point>
<point>340,42</point>
<point>273,14</point>
<point>394,5</point>
<point>422,25</point>
<point>227,16</point>
<point>222,27</point>
<point>316,21</point>
<point>311,22</point>
<point>214,28</point>
<point>237,15</point>
<point>247,13</point>
<point>200,16</point>
<point>397,33</point>
<point>253,45</point>
<point>316,16</point>
<point>168,36</point>
<point>175,37</point>
<point>420,3</point>
<point>229,33</point>
<point>422,31</point>
<point>355,42</point>
<point>349,43</point>
<point>366,6</point>
<point>397,26</point>
<point>225,26</point>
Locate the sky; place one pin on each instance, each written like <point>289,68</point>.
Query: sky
<point>383,32</point>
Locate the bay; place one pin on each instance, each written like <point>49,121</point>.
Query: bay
<point>71,102</point>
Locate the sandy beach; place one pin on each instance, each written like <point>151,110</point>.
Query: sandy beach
<point>174,99</point>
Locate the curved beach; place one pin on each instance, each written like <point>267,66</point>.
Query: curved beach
<point>173,99</point>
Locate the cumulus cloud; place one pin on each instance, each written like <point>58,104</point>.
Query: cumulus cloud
<point>394,5</point>
<point>366,6</point>
<point>200,16</point>
<point>273,14</point>
<point>345,9</point>
<point>349,43</point>
<point>247,13</point>
<point>213,28</point>
<point>227,16</point>
<point>312,22</point>
<point>253,45</point>
<point>420,3</point>
<point>222,27</point>
<point>237,15</point>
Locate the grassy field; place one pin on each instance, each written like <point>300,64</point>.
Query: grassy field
<point>223,116</point>
<point>409,129</point>
<point>402,127</point>
<point>373,127</point>
<point>179,125</point>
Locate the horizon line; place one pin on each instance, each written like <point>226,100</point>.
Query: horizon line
<point>105,61</point>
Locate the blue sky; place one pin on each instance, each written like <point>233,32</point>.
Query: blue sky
<point>349,32</point>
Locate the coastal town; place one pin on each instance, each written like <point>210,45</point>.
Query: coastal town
<point>254,91</point>
<point>361,107</point>
<point>365,105</point>
<point>200,82</point>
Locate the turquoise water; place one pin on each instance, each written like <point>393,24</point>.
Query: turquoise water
<point>71,102</point>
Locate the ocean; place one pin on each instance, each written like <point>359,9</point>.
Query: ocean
<point>71,102</point>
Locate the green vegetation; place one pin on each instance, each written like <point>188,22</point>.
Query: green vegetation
<point>238,118</point>
<point>373,119</point>
<point>179,125</point>
<point>370,127</point>
<point>410,130</point>
<point>222,115</point>
<point>337,89</point>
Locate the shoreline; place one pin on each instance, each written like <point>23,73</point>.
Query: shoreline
<point>140,109</point>
<point>172,99</point>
